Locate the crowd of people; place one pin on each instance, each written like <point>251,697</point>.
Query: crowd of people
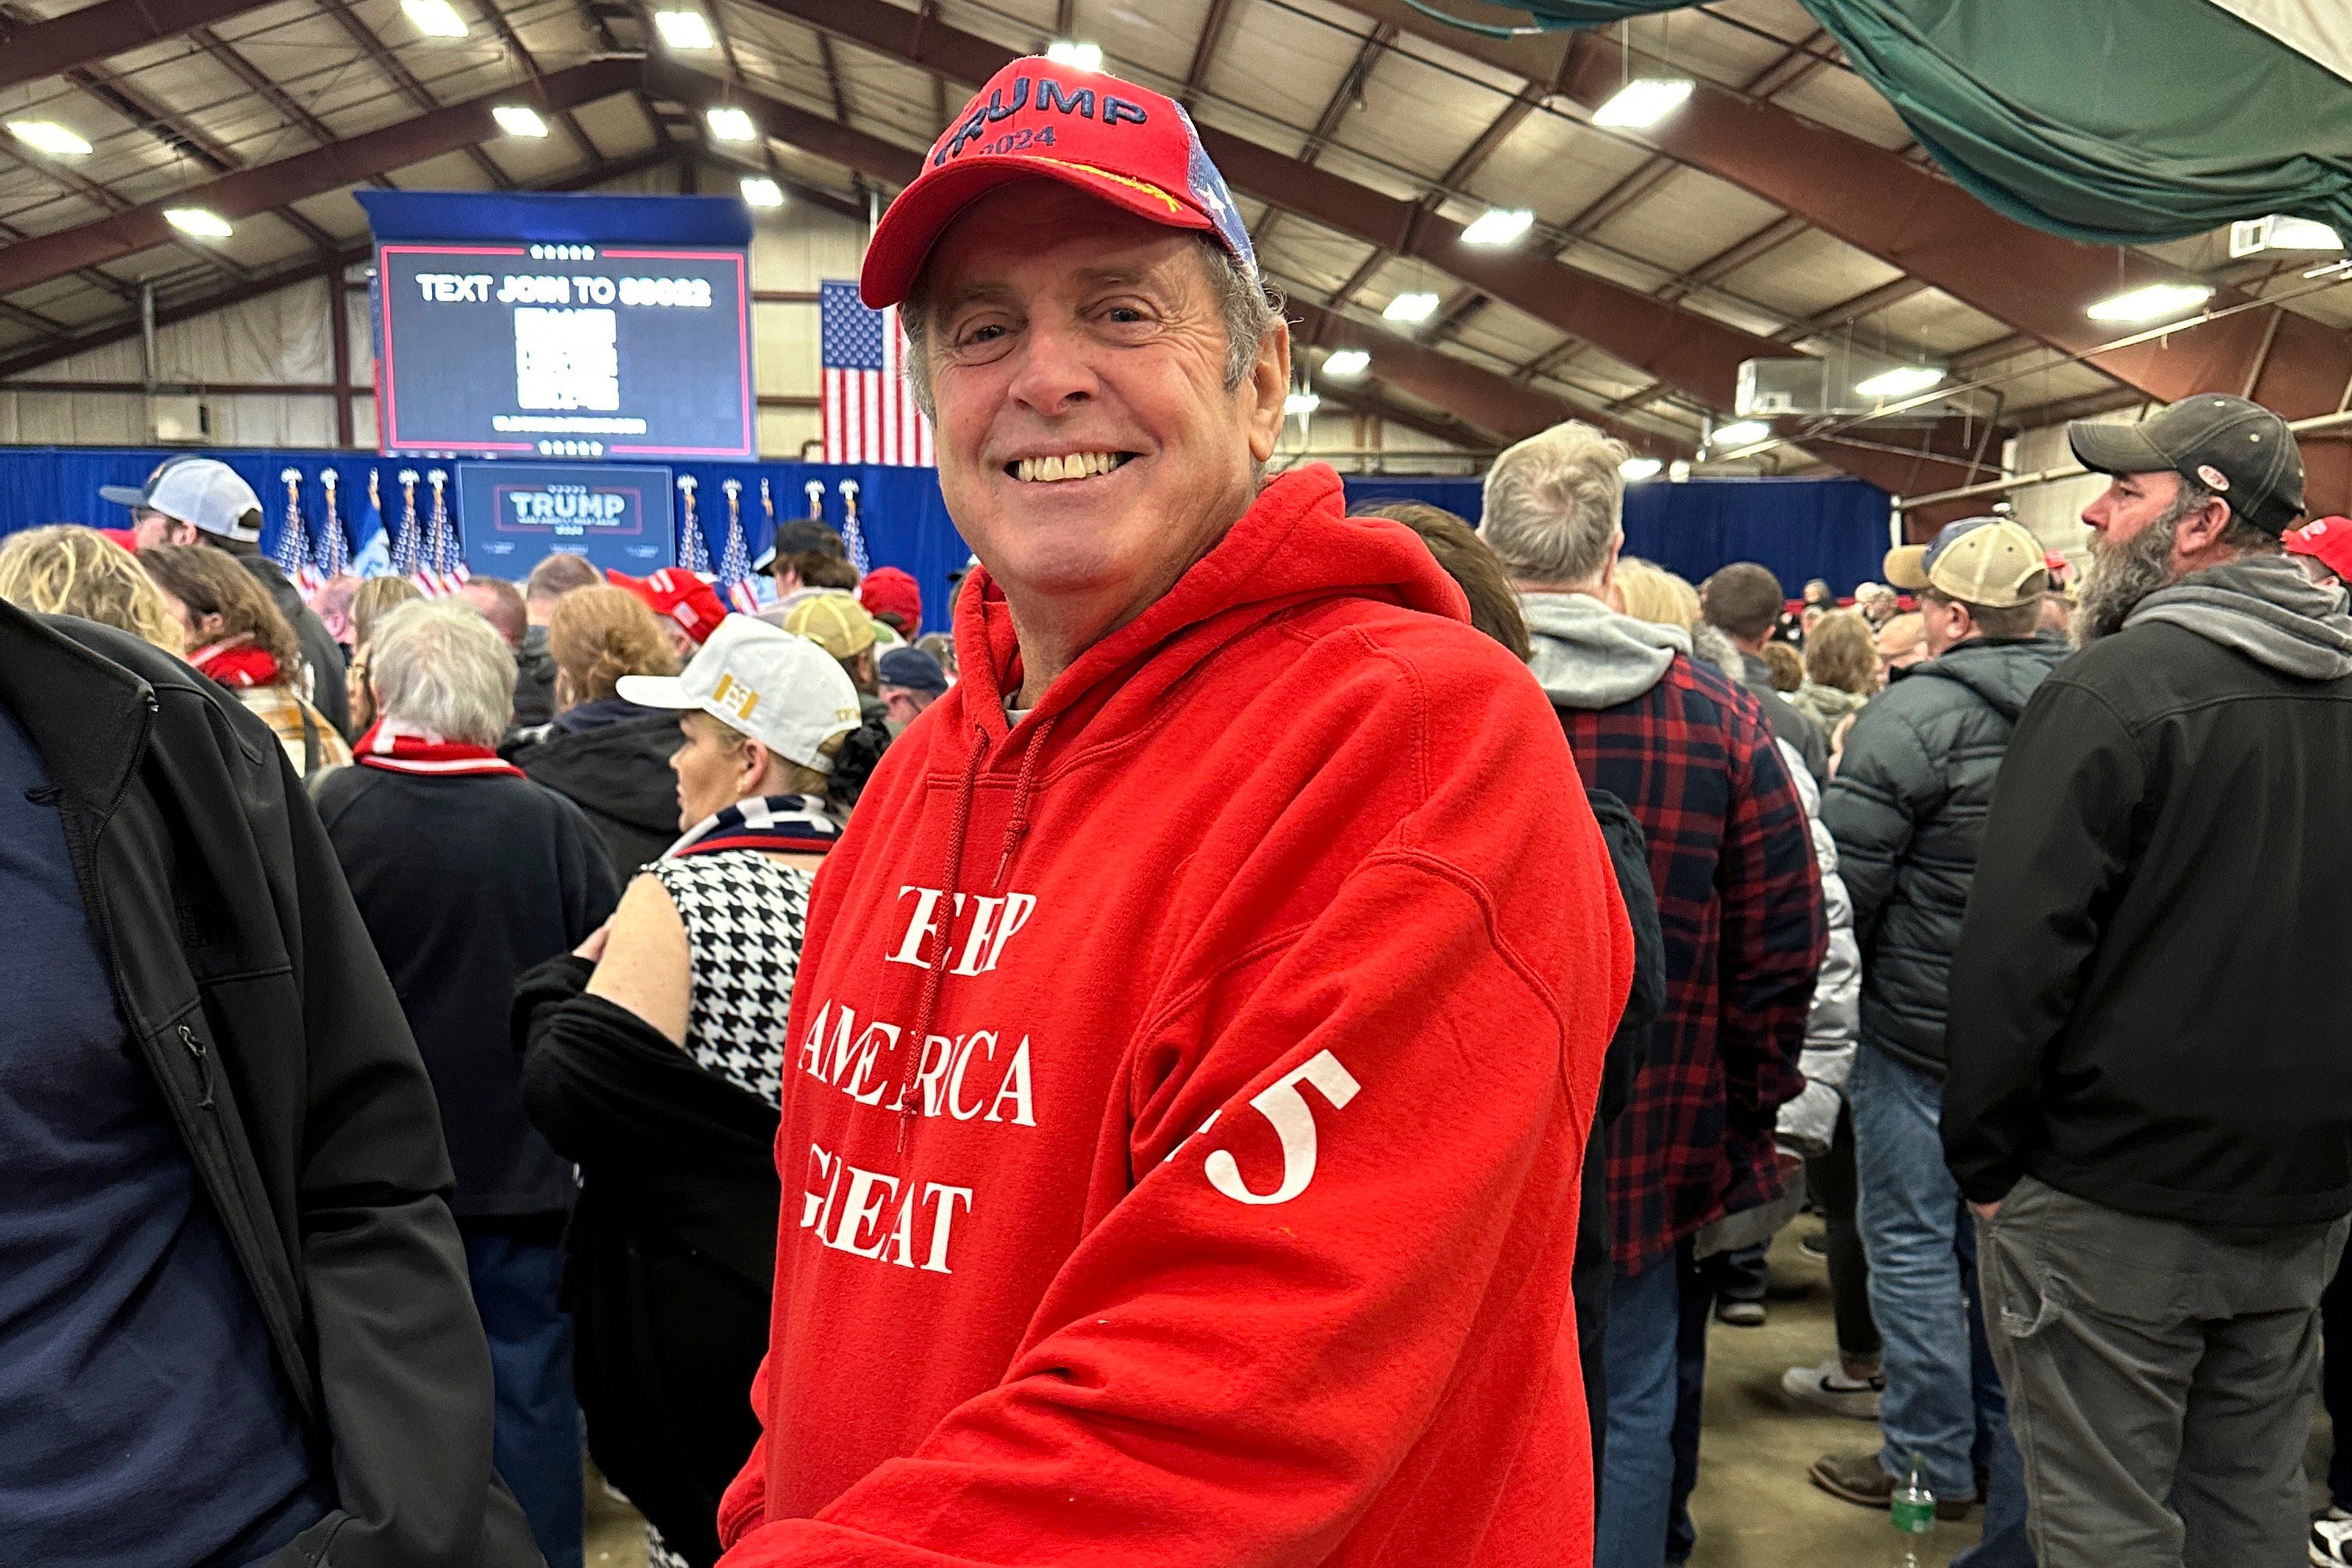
<point>1275,1043</point>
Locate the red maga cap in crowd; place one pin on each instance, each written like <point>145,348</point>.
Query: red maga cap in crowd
<point>693,604</point>
<point>887,591</point>
<point>2327,540</point>
<point>1134,148</point>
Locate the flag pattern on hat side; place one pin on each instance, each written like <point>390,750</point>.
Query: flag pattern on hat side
<point>868,405</point>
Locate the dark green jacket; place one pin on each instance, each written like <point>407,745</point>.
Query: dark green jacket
<point>1907,810</point>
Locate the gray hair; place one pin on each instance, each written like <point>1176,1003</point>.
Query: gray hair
<point>439,667</point>
<point>1249,306</point>
<point>1553,505</point>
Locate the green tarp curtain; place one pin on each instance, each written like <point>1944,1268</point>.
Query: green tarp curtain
<point>2115,121</point>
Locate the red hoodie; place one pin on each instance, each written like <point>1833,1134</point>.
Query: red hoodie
<point>1225,1215</point>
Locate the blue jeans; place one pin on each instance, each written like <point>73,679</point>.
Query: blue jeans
<point>536,1441</point>
<point>1943,1400</point>
<point>1637,1478</point>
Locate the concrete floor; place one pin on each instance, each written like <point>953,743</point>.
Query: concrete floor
<point>1754,1508</point>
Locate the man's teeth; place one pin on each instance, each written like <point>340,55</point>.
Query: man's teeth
<point>1074,465</point>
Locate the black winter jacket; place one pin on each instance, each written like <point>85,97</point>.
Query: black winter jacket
<point>1907,809</point>
<point>2147,1004</point>
<point>672,1248</point>
<point>618,773</point>
<point>248,987</point>
<point>466,882</point>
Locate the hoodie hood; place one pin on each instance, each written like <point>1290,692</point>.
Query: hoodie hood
<point>1294,545</point>
<point>2264,607</point>
<point>2003,672</point>
<point>1588,656</point>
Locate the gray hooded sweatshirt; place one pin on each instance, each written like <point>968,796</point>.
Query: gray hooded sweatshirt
<point>1588,656</point>
<point>2264,607</point>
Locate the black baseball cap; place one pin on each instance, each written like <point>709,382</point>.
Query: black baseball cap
<point>2238,449</point>
<point>913,669</point>
<point>798,536</point>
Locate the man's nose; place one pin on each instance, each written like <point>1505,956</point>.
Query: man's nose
<point>1052,375</point>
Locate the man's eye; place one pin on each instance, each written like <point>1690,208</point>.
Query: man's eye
<point>983,334</point>
<point>1126,314</point>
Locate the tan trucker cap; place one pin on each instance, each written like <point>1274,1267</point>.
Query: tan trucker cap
<point>1977,560</point>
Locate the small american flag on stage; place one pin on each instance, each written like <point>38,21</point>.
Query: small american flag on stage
<point>869,410</point>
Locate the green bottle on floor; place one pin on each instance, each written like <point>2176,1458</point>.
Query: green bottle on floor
<point>1913,1508</point>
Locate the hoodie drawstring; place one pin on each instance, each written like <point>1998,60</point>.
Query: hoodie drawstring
<point>1018,828</point>
<point>935,975</point>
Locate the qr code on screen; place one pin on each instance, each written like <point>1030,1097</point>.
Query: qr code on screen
<point>567,359</point>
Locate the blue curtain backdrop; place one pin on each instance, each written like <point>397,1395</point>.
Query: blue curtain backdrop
<point>1833,528</point>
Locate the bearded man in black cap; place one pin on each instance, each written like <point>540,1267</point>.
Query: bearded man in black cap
<point>2148,1103</point>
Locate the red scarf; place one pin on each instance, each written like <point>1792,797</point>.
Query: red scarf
<point>398,750</point>
<point>237,663</point>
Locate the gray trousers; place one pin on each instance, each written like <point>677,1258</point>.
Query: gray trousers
<point>2160,1377</point>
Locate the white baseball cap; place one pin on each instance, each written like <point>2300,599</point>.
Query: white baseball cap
<point>785,692</point>
<point>203,491</point>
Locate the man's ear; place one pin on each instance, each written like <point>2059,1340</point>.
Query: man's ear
<point>1268,384</point>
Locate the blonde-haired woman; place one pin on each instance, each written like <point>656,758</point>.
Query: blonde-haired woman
<point>609,756</point>
<point>1650,592</point>
<point>63,569</point>
<point>236,636</point>
<point>654,1056</point>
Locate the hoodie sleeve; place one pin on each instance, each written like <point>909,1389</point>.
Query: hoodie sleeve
<point>1354,1149</point>
<point>2056,847</point>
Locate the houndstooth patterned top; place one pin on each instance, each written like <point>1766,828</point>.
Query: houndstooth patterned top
<point>744,914</point>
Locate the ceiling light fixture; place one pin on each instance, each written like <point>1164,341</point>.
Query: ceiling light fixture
<point>1346,362</point>
<point>1410,307</point>
<point>1636,469</point>
<point>49,136</point>
<point>517,120</point>
<point>1077,56</point>
<point>201,222</point>
<point>1301,402</point>
<point>1498,226</point>
<point>1903,380</point>
<point>2253,235</point>
<point>684,29</point>
<point>730,125</point>
<point>1642,102</point>
<point>1739,433</point>
<point>762,192</point>
<point>2153,302</point>
<point>435,18</point>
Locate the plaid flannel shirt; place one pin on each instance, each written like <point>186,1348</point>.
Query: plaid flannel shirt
<point>1739,900</point>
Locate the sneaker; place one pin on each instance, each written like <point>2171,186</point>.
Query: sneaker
<point>1739,1314</point>
<point>1860,1479</point>
<point>1815,1244</point>
<point>1827,1387</point>
<point>2331,1542</point>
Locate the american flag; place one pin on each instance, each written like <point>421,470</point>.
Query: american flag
<point>869,408</point>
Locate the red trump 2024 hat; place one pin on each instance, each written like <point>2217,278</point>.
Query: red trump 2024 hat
<point>1134,148</point>
<point>2327,540</point>
<point>691,603</point>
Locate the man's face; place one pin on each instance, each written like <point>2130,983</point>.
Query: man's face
<point>2129,504</point>
<point>1898,653</point>
<point>904,705</point>
<point>150,526</point>
<point>1066,332</point>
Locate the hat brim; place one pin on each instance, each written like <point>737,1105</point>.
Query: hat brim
<point>903,239</point>
<point>765,561</point>
<point>1906,566</point>
<point>123,494</point>
<point>2115,449</point>
<point>656,691</point>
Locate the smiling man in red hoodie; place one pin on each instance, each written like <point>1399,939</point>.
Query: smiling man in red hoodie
<point>1199,1022</point>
